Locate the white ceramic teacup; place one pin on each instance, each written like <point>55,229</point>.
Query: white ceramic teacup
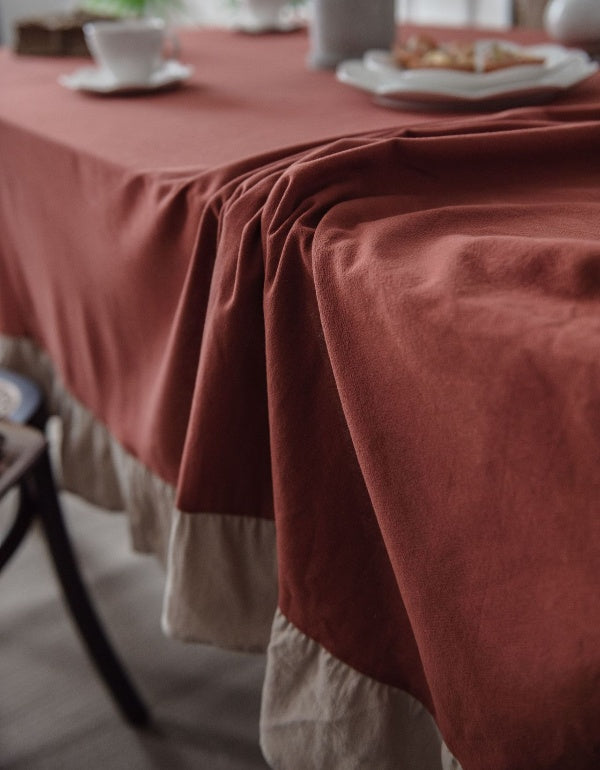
<point>131,49</point>
<point>265,12</point>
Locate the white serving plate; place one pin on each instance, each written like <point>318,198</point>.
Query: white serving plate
<point>562,69</point>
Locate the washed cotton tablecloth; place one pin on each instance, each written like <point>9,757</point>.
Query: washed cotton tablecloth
<point>340,366</point>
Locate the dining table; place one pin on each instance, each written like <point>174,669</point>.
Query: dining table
<point>338,361</point>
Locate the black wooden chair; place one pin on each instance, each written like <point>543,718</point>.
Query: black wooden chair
<point>25,465</point>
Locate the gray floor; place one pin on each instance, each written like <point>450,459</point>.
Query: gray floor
<point>54,712</point>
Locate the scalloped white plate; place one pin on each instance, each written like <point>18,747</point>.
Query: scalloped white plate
<point>376,73</point>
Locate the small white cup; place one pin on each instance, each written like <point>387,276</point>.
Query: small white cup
<point>265,12</point>
<point>131,49</point>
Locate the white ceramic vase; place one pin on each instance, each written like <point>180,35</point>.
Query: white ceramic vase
<point>573,21</point>
<point>345,29</point>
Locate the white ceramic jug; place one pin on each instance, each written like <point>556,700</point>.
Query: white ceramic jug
<point>573,21</point>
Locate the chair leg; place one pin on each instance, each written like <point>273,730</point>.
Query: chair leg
<point>18,529</point>
<point>88,624</point>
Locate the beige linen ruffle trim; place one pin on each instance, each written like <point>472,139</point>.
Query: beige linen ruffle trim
<point>221,589</point>
<point>221,571</point>
<point>319,714</point>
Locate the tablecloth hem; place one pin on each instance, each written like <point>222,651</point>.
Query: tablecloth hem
<point>221,570</point>
<point>318,713</point>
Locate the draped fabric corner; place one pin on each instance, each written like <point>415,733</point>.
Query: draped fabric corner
<point>344,383</point>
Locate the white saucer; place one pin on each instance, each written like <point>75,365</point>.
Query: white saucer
<point>100,81</point>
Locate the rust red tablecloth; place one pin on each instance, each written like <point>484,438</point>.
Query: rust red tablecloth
<point>263,299</point>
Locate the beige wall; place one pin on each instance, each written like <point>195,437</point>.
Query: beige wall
<point>495,13</point>
<point>485,12</point>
